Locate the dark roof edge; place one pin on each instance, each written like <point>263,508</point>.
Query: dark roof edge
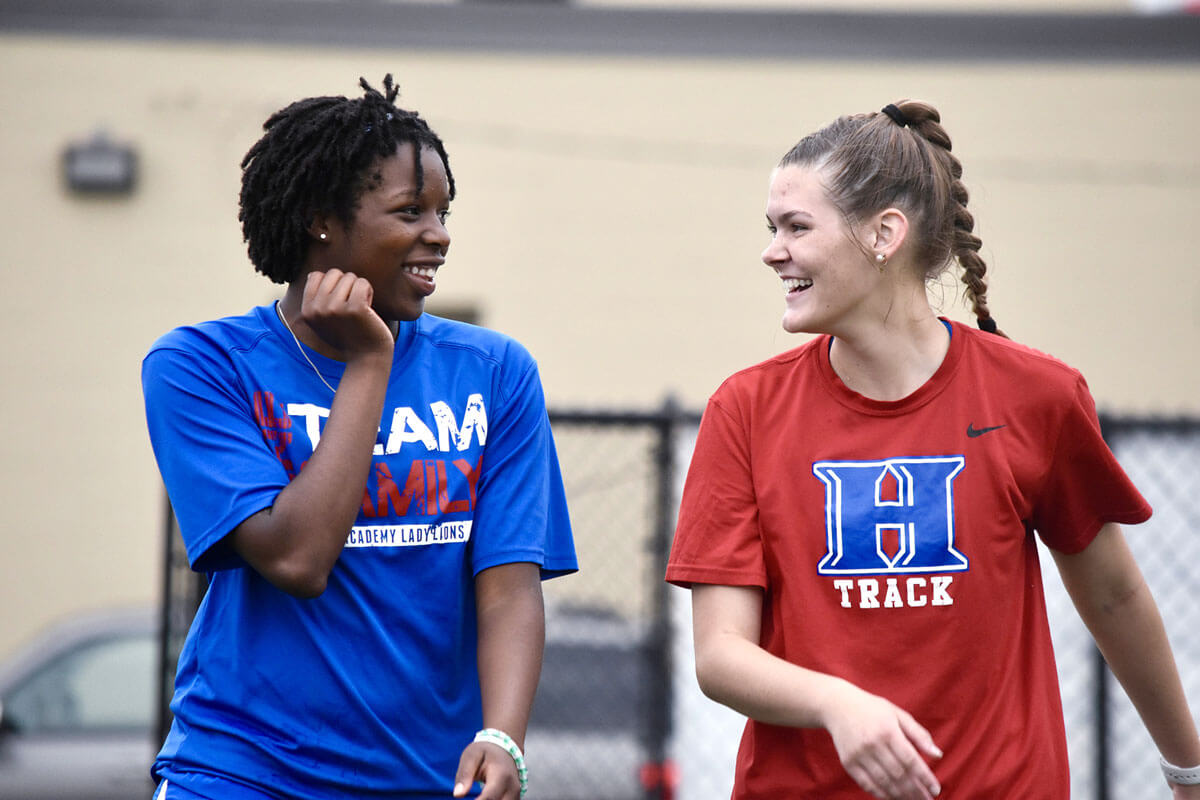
<point>557,28</point>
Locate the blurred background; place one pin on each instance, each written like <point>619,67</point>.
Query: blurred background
<point>612,160</point>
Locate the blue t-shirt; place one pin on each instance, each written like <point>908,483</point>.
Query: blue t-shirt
<point>372,688</point>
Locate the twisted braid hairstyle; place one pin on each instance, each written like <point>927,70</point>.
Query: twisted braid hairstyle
<point>317,157</point>
<point>900,157</point>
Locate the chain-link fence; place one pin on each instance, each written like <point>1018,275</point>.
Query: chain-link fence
<point>1112,756</point>
<point>618,714</point>
<point>606,679</point>
<point>1163,459</point>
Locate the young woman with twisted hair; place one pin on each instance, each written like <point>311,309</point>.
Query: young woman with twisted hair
<point>858,521</point>
<point>373,491</point>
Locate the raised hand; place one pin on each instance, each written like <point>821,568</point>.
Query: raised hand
<point>337,308</point>
<point>882,747</point>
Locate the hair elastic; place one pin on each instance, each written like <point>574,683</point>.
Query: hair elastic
<point>896,114</point>
<point>988,324</point>
<point>367,128</point>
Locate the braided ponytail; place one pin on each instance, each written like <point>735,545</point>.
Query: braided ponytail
<point>872,163</point>
<point>965,244</point>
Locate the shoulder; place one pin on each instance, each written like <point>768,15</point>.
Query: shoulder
<point>208,354</point>
<point>452,338</point>
<point>1020,365</point>
<point>215,337</point>
<point>764,376</point>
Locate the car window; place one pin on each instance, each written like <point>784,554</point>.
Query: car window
<point>102,684</point>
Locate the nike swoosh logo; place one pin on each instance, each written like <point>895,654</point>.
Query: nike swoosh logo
<point>972,431</point>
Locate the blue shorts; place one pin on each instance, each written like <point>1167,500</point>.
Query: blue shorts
<point>176,792</point>
<point>211,787</point>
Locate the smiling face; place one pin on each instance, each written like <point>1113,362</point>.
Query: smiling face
<point>829,280</point>
<point>397,239</point>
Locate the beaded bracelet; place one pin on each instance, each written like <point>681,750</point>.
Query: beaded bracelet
<point>1181,776</point>
<point>497,737</point>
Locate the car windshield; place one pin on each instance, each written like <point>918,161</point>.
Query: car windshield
<point>102,684</point>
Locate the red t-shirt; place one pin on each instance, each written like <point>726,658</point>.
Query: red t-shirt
<point>894,545</point>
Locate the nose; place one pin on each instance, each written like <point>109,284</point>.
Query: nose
<point>436,234</point>
<point>775,254</point>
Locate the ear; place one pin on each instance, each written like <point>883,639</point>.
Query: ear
<point>887,232</point>
<point>320,229</point>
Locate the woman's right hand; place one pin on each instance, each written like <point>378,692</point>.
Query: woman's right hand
<point>881,746</point>
<point>337,308</point>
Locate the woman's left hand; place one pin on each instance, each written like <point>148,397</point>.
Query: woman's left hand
<point>492,766</point>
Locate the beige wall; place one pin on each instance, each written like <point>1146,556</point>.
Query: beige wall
<point>909,6</point>
<point>610,217</point>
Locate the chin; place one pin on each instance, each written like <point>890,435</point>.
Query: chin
<point>403,313</point>
<point>793,325</point>
<point>804,321</point>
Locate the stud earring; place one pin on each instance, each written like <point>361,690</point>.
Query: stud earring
<point>323,237</point>
<point>880,260</point>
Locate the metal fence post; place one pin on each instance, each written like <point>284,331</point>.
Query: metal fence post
<point>1102,680</point>
<point>1102,725</point>
<point>658,642</point>
<point>164,683</point>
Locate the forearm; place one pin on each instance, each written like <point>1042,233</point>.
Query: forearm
<point>295,543</point>
<point>1115,603</point>
<point>745,677</point>
<point>734,670</point>
<point>511,619</point>
<point>1131,636</point>
<point>879,744</point>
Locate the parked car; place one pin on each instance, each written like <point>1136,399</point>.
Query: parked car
<point>78,711</point>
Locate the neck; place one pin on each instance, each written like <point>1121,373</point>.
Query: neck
<point>892,362</point>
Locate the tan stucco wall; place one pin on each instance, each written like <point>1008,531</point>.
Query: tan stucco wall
<point>909,6</point>
<point>610,217</point>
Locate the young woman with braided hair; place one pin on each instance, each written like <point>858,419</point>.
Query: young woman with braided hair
<point>858,519</point>
<point>373,491</point>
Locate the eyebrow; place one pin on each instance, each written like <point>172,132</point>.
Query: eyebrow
<point>405,193</point>
<point>787,215</point>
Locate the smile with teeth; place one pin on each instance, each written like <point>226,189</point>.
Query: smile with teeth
<point>796,284</point>
<point>422,272</point>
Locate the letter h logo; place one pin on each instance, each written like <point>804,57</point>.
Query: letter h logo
<point>891,516</point>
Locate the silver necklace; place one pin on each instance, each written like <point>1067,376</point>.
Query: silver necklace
<point>300,347</point>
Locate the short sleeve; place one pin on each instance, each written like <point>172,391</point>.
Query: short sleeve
<point>217,467</point>
<point>521,512</point>
<point>717,538</point>
<point>1085,486</point>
